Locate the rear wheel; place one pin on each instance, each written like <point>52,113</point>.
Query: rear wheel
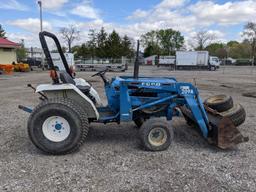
<point>156,134</point>
<point>219,103</point>
<point>58,126</point>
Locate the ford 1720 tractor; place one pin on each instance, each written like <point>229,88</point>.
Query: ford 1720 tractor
<point>60,123</point>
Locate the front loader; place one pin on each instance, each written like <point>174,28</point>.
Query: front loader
<point>60,123</point>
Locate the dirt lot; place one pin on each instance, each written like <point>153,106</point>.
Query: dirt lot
<point>111,159</point>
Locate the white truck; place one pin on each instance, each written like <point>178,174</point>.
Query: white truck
<point>58,62</point>
<point>196,60</point>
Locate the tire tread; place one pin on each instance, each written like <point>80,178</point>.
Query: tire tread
<point>75,107</point>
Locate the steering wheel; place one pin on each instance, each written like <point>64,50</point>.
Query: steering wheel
<point>100,73</point>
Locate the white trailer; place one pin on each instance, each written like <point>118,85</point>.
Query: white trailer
<point>195,60</point>
<point>58,62</point>
<point>166,60</point>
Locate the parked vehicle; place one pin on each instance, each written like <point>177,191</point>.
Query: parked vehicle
<point>196,60</point>
<point>214,61</point>
<point>6,68</point>
<point>21,67</point>
<point>37,62</point>
<point>166,60</point>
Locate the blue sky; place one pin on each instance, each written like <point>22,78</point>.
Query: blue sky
<point>224,18</point>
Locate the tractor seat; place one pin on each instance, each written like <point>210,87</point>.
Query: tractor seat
<point>66,78</point>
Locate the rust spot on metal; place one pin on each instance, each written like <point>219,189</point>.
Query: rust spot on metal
<point>229,135</point>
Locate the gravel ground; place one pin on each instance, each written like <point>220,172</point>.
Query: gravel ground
<point>111,159</point>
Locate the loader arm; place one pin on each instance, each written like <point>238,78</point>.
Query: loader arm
<point>199,114</point>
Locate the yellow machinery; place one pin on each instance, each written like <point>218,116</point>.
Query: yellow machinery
<point>21,67</point>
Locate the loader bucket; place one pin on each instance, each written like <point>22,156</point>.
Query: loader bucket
<point>223,133</point>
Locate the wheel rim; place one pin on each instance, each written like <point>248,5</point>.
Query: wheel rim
<point>56,128</point>
<point>157,136</point>
<point>217,99</point>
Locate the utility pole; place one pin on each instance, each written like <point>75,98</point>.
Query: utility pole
<point>41,29</point>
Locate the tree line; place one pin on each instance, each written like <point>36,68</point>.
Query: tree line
<point>101,44</point>
<point>234,49</point>
<point>104,45</point>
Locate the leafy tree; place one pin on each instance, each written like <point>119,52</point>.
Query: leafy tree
<point>250,35</point>
<point>232,43</point>
<point>101,43</point>
<point>149,39</point>
<point>92,43</point>
<point>2,32</point>
<point>113,45</point>
<point>21,52</point>
<point>170,40</point>
<point>240,50</point>
<point>151,43</point>
<point>104,45</point>
<point>82,51</point>
<point>152,50</point>
<point>127,49</point>
<point>217,49</point>
<point>164,41</point>
<point>221,53</point>
<point>69,34</point>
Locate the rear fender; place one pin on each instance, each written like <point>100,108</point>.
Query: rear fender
<point>72,92</point>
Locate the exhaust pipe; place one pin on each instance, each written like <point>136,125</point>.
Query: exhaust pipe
<point>136,64</point>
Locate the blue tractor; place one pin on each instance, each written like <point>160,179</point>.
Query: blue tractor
<point>60,123</point>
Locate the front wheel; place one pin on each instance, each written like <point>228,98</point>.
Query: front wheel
<point>58,126</point>
<point>156,134</point>
<point>212,68</point>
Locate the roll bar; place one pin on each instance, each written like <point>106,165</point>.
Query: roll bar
<point>42,36</point>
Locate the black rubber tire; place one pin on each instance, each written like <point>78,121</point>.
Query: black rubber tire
<point>138,122</point>
<point>150,124</point>
<point>212,68</point>
<point>219,103</point>
<point>66,108</point>
<point>236,114</point>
